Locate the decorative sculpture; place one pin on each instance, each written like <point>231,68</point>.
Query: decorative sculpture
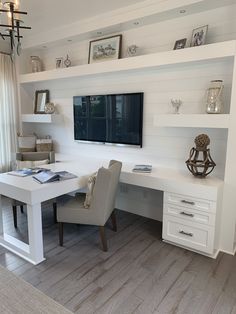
<point>200,163</point>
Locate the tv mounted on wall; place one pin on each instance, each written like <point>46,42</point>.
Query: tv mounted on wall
<point>114,119</point>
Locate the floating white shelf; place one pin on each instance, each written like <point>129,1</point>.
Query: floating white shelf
<point>208,52</point>
<point>40,118</point>
<point>192,120</point>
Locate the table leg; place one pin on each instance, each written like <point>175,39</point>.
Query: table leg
<point>1,217</point>
<point>35,231</point>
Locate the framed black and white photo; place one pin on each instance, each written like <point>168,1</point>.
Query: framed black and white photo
<point>59,63</point>
<point>105,49</point>
<point>180,44</point>
<point>199,36</point>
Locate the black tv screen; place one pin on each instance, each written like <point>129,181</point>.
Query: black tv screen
<point>116,119</point>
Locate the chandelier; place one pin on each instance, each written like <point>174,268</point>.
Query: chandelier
<point>11,23</point>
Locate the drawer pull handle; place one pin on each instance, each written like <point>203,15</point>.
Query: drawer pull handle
<point>187,202</point>
<point>187,214</point>
<point>189,234</point>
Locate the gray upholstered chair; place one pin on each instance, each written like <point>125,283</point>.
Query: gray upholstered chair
<point>32,156</point>
<point>101,207</point>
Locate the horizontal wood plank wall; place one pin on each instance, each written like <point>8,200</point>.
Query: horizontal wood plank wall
<point>161,146</point>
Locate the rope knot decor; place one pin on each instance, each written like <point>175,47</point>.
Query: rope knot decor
<point>200,163</point>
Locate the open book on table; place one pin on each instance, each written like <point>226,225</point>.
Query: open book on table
<point>27,171</point>
<point>50,176</point>
<point>142,168</point>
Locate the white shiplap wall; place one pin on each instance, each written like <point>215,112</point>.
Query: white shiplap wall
<point>161,146</point>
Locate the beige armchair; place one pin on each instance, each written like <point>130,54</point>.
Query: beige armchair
<point>101,207</point>
<point>32,156</point>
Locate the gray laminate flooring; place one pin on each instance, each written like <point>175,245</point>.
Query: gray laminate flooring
<point>139,274</point>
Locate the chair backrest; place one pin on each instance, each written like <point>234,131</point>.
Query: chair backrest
<point>34,156</point>
<point>104,193</point>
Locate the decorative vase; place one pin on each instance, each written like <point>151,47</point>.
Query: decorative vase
<point>214,97</point>
<point>36,64</point>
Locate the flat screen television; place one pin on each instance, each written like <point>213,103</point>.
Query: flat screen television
<point>115,119</point>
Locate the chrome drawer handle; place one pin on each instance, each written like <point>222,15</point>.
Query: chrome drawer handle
<point>187,214</point>
<point>189,234</point>
<point>187,202</point>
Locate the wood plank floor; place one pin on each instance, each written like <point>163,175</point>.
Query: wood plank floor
<point>139,274</point>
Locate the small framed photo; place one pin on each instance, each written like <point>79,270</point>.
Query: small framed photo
<point>180,44</point>
<point>59,63</point>
<point>105,49</point>
<point>199,36</point>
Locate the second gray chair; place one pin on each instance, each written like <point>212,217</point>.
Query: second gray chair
<point>33,156</point>
<point>101,207</point>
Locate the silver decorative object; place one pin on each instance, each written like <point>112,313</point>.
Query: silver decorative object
<point>132,50</point>
<point>49,108</point>
<point>176,103</point>
<point>214,101</point>
<point>67,62</point>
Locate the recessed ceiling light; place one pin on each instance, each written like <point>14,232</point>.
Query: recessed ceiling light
<point>182,11</point>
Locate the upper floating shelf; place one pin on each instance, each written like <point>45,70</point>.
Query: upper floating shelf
<point>202,53</point>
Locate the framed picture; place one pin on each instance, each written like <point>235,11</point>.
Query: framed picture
<point>199,36</point>
<point>180,44</point>
<point>59,63</point>
<point>105,49</point>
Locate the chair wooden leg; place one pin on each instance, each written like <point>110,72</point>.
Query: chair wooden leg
<point>113,220</point>
<point>103,238</point>
<point>55,212</point>
<point>60,226</point>
<point>22,209</point>
<point>14,209</point>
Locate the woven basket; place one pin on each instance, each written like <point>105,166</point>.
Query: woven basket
<point>26,143</point>
<point>44,145</point>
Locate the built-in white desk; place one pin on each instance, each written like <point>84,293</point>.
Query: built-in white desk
<point>191,212</point>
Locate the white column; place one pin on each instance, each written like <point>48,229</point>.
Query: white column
<point>34,216</point>
<point>228,220</point>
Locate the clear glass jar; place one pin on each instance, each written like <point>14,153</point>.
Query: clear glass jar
<point>36,64</point>
<point>214,102</point>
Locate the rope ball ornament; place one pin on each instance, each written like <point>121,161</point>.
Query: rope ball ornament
<point>202,141</point>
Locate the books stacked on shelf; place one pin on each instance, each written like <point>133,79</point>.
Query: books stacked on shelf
<point>26,172</point>
<point>50,176</point>
<point>142,168</point>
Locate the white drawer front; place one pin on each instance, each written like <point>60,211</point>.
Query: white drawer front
<point>190,214</point>
<point>188,234</point>
<point>190,202</point>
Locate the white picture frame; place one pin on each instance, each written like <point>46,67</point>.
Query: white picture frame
<point>199,36</point>
<point>59,63</point>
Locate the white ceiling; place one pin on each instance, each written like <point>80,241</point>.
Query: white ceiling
<point>50,14</point>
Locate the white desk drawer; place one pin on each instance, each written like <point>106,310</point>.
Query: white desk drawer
<point>190,202</point>
<point>189,214</point>
<point>192,235</point>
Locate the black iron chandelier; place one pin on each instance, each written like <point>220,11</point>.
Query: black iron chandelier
<point>13,25</point>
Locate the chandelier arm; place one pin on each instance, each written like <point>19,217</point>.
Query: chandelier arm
<point>22,27</point>
<point>7,35</point>
<point>14,11</point>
